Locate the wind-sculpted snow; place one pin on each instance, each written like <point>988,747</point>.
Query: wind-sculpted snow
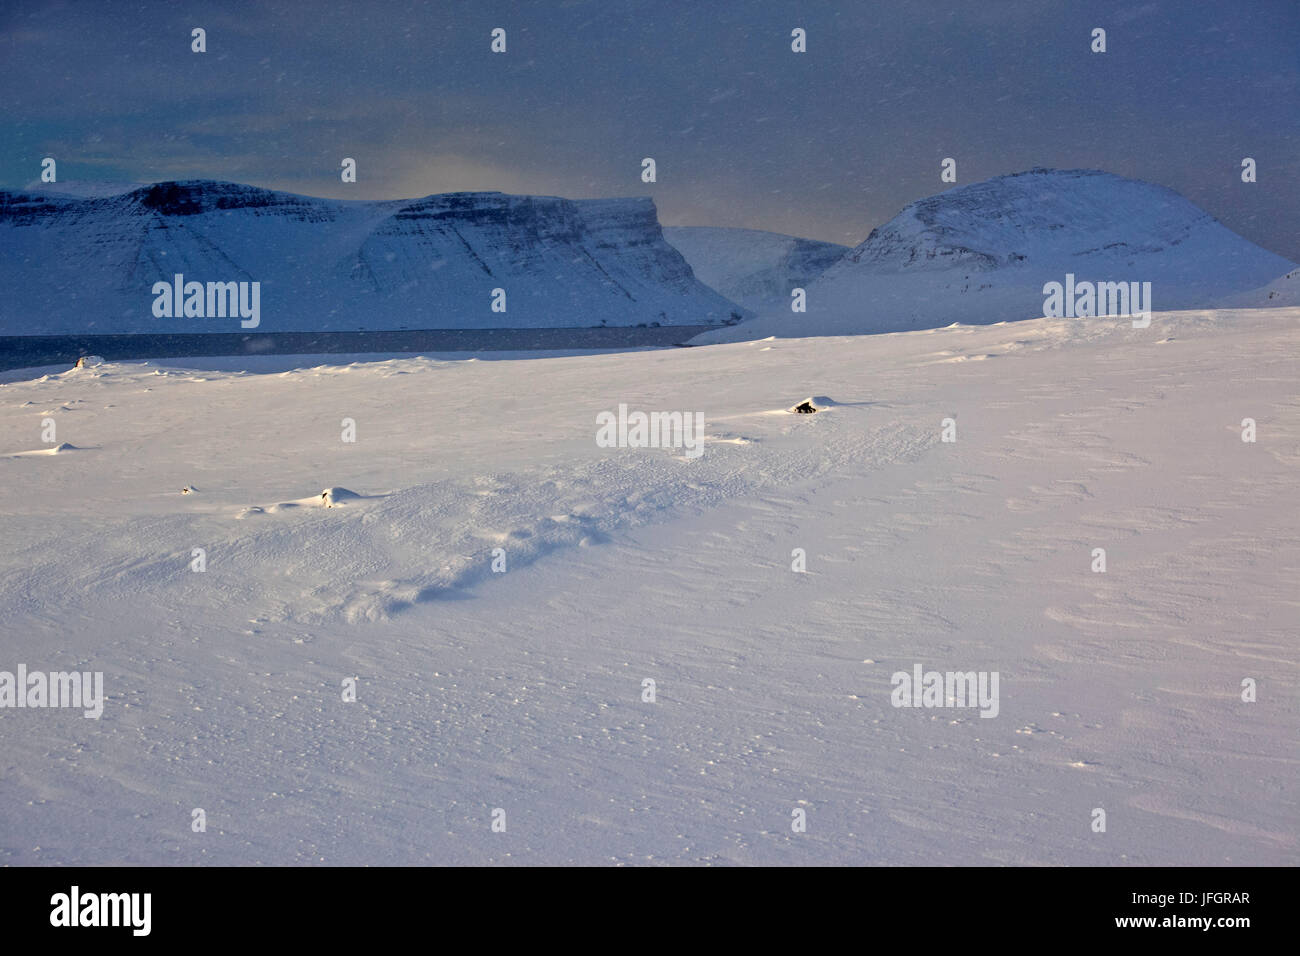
<point>520,686</point>
<point>378,550</point>
<point>80,264</point>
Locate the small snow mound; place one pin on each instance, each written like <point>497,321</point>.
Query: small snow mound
<point>89,361</point>
<point>811,405</point>
<point>42,452</point>
<point>333,497</point>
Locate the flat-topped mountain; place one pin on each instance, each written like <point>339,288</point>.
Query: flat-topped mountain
<point>73,263</point>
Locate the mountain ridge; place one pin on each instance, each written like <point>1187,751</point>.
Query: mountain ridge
<point>982,253</point>
<point>88,264</point>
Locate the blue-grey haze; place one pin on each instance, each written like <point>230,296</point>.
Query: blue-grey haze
<point>745,132</point>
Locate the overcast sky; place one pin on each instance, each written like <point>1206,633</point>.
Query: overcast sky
<point>826,144</point>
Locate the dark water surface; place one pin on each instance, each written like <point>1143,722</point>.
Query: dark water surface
<point>23,351</point>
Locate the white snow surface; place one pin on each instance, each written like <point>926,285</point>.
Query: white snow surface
<point>522,690</point>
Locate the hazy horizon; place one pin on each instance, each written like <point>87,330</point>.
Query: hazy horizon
<point>126,186</point>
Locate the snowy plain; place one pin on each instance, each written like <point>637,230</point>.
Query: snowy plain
<point>522,690</point>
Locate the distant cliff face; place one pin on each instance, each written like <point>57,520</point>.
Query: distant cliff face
<point>983,253</point>
<point>89,264</point>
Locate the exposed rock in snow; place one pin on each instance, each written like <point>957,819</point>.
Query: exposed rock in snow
<point>811,405</point>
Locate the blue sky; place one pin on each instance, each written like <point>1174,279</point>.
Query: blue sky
<point>826,144</point>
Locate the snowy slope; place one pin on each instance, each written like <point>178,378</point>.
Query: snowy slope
<point>982,253</point>
<point>523,690</point>
<point>1282,292</point>
<point>757,269</point>
<point>72,265</point>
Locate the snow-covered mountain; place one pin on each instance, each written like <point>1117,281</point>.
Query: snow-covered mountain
<point>982,253</point>
<point>1282,292</point>
<point>80,264</point>
<point>755,268</point>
